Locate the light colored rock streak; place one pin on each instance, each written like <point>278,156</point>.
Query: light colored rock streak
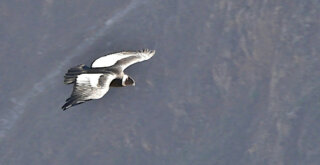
<point>8,119</point>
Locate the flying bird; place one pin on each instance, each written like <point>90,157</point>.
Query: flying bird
<point>105,72</point>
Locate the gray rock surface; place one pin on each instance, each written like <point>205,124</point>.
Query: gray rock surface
<point>232,82</point>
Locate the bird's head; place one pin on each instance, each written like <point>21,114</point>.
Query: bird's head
<point>127,81</point>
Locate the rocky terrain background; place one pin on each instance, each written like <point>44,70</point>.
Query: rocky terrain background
<point>232,82</point>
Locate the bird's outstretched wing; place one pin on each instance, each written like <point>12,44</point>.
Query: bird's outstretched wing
<point>123,59</point>
<point>109,60</point>
<point>134,58</point>
<point>88,87</point>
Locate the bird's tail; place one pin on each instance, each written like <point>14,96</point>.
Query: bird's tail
<point>71,76</point>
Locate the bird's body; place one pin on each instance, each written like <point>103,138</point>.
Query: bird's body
<point>94,82</point>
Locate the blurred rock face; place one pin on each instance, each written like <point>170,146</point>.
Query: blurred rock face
<point>232,82</point>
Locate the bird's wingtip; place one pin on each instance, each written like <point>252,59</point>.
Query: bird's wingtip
<point>67,105</point>
<point>148,53</point>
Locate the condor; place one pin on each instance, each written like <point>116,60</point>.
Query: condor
<point>94,82</point>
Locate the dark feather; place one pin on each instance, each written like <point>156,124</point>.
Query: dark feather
<point>71,75</point>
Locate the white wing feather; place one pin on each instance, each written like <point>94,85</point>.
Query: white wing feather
<point>120,58</point>
<point>109,60</point>
<point>135,58</point>
<point>93,79</point>
<point>88,86</point>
